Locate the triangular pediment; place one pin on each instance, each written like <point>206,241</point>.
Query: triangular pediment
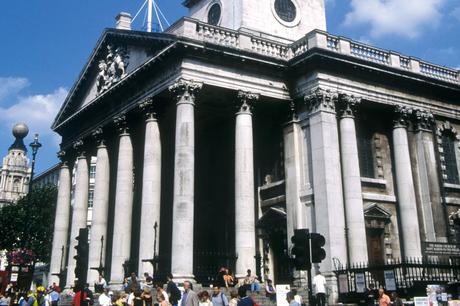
<point>376,211</point>
<point>118,54</point>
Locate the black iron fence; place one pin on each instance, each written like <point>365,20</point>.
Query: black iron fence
<point>408,277</point>
<point>208,263</point>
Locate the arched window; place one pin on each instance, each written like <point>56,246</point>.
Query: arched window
<point>16,184</point>
<point>449,143</point>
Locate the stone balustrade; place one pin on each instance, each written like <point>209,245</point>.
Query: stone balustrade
<point>218,35</point>
<point>195,29</point>
<point>270,48</point>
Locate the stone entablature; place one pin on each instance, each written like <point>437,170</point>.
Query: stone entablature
<point>315,39</point>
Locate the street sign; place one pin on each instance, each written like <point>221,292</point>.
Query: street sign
<point>441,249</point>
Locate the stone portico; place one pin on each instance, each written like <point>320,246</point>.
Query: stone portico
<point>214,143</point>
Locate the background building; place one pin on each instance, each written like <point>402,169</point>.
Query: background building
<point>15,172</point>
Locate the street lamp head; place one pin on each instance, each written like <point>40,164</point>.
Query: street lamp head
<point>35,145</point>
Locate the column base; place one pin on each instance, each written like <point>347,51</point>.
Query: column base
<point>180,279</point>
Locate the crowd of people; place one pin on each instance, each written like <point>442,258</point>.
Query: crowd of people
<point>38,297</point>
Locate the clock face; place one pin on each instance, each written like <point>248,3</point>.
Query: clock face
<point>214,14</point>
<point>286,10</point>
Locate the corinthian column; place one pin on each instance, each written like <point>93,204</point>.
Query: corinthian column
<point>61,221</point>
<point>121,245</point>
<point>98,239</point>
<point>351,175</point>
<point>151,189</point>
<point>184,172</point>
<point>427,184</point>
<point>80,208</point>
<point>245,239</point>
<point>405,185</point>
<point>327,176</point>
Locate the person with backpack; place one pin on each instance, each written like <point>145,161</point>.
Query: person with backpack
<point>172,290</point>
<point>218,298</point>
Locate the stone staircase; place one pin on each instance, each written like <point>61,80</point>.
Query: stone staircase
<point>260,297</point>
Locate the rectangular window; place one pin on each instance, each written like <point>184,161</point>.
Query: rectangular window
<point>90,198</point>
<point>450,159</point>
<point>366,155</point>
<point>92,172</point>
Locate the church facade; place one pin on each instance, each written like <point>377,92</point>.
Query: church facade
<point>242,122</point>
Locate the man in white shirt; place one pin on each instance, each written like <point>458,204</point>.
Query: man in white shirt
<point>319,282</point>
<point>104,299</point>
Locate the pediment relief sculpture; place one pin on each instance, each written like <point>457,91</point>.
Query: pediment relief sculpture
<point>112,69</point>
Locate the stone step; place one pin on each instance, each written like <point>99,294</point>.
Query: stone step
<point>260,297</point>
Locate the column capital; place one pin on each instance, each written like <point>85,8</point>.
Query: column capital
<point>185,90</point>
<point>78,146</point>
<point>245,101</point>
<point>98,135</point>
<point>347,105</point>
<point>401,116</point>
<point>122,124</point>
<point>320,99</point>
<point>424,120</point>
<point>63,155</point>
<point>148,108</point>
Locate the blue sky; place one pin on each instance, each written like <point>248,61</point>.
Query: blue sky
<point>45,44</point>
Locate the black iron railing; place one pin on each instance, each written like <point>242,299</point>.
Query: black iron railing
<point>408,277</point>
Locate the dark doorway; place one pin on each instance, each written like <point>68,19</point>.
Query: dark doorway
<point>375,243</point>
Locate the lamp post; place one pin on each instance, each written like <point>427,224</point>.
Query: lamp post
<point>35,145</point>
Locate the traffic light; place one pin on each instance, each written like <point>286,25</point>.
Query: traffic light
<point>301,249</point>
<point>81,257</point>
<point>318,254</point>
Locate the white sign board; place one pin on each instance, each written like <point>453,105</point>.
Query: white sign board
<point>14,277</point>
<point>281,293</point>
<point>390,281</point>
<point>360,281</point>
<point>421,301</point>
<point>343,283</point>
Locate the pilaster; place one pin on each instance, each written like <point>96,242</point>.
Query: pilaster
<point>327,176</point>
<point>427,178</point>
